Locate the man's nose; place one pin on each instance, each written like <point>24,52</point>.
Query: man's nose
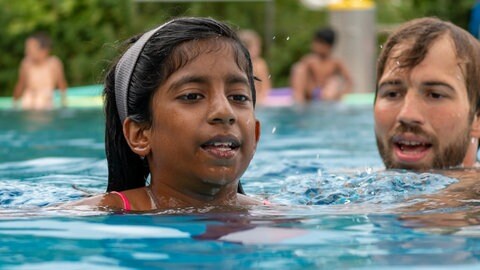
<point>411,111</point>
<point>221,111</point>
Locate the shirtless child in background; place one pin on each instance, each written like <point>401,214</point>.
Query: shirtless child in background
<point>318,75</point>
<point>39,75</point>
<point>252,41</point>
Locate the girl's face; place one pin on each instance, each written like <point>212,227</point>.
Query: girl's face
<point>204,132</point>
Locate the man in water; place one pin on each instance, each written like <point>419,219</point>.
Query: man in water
<point>427,98</point>
<point>427,115</point>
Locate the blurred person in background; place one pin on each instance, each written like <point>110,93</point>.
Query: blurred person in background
<point>40,74</point>
<point>253,43</point>
<point>319,75</point>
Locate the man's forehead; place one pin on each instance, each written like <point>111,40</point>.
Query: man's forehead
<point>403,57</point>
<point>398,52</point>
<point>394,63</point>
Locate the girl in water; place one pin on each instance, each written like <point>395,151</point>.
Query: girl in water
<point>179,108</point>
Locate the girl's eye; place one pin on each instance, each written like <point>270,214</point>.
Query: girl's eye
<point>239,98</point>
<point>191,97</point>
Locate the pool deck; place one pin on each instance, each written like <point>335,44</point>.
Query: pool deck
<point>89,96</point>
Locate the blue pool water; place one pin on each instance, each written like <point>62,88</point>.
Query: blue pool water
<point>336,207</point>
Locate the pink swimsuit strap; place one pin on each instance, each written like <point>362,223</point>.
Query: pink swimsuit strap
<point>126,202</point>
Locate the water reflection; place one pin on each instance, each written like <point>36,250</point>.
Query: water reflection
<point>453,207</point>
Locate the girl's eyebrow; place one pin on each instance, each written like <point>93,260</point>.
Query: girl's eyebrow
<point>231,79</point>
<point>234,78</point>
<point>187,79</point>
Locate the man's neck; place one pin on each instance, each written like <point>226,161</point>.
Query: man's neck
<point>471,157</point>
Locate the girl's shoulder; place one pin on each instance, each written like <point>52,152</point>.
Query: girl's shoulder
<point>106,200</point>
<point>246,200</point>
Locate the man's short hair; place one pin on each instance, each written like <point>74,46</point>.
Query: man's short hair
<point>419,35</point>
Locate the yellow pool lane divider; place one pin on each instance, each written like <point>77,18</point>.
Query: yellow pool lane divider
<point>351,4</point>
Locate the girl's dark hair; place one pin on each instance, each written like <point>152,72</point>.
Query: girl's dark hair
<point>161,56</point>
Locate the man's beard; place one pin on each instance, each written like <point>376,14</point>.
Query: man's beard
<point>450,156</point>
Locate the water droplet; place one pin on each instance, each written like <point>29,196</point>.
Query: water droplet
<point>381,46</point>
<point>269,76</point>
<point>288,38</point>
<point>398,63</point>
<point>274,129</point>
<point>274,37</point>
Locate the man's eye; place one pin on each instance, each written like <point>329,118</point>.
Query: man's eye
<point>191,96</point>
<point>391,94</point>
<point>435,95</point>
<point>239,98</point>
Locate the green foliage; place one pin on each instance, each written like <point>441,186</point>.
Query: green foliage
<point>86,33</point>
<point>292,26</point>
<point>79,30</point>
<point>396,11</point>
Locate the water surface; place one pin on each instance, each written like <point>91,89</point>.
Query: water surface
<point>337,208</point>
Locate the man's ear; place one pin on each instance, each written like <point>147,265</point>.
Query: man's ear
<point>257,130</point>
<point>137,136</point>
<point>475,130</point>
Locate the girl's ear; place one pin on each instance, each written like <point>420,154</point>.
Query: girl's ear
<point>475,130</point>
<point>137,136</point>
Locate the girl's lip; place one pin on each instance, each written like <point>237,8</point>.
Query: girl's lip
<point>222,146</point>
<point>222,139</point>
<point>221,153</point>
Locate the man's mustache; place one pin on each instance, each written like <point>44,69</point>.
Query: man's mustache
<point>414,129</point>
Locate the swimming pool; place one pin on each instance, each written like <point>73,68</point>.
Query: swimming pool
<point>339,210</point>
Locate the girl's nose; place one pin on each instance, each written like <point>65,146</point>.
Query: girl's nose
<point>221,111</point>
